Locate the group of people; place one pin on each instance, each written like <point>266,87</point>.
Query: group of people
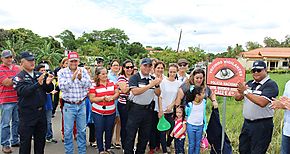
<point>129,103</point>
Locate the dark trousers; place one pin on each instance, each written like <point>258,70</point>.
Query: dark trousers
<point>179,145</point>
<point>166,143</point>
<point>36,128</point>
<point>92,132</point>
<point>256,136</point>
<point>154,141</point>
<point>55,102</point>
<point>138,120</point>
<point>104,124</point>
<point>123,111</point>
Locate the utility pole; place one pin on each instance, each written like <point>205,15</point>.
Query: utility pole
<point>179,40</point>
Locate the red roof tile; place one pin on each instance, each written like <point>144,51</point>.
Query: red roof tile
<point>267,52</point>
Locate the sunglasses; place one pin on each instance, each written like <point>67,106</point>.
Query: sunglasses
<point>8,57</point>
<point>127,67</point>
<point>256,70</point>
<point>182,65</point>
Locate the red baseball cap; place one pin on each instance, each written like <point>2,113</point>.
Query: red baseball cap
<point>73,56</point>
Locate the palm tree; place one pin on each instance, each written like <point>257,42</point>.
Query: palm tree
<point>46,52</point>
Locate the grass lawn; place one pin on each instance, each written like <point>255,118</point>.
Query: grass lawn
<point>234,117</point>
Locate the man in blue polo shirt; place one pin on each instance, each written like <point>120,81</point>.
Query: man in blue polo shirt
<point>258,125</point>
<point>141,105</point>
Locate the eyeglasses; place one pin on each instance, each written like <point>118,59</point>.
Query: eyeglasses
<point>172,72</point>
<point>256,70</point>
<point>127,67</point>
<point>115,65</point>
<point>182,65</point>
<point>147,65</point>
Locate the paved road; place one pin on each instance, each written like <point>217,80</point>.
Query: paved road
<point>58,148</point>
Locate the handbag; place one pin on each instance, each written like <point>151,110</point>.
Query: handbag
<point>204,143</point>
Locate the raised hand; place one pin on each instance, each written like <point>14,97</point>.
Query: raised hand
<point>75,75</point>
<point>242,87</point>
<point>49,78</point>
<point>41,78</point>
<point>80,74</point>
<point>156,81</point>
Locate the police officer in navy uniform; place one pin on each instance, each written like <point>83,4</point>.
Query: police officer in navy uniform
<point>258,124</point>
<point>140,107</point>
<point>31,87</point>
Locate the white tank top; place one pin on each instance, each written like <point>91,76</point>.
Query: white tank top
<point>196,114</point>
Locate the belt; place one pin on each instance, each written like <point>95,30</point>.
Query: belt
<point>258,120</point>
<point>138,106</point>
<point>68,102</point>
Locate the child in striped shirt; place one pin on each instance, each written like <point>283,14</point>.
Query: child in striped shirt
<point>179,129</point>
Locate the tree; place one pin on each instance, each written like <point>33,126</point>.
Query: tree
<point>46,52</point>
<point>68,40</point>
<point>253,45</point>
<point>135,49</point>
<point>270,42</point>
<point>111,37</point>
<point>286,42</point>
<point>195,49</point>
<point>158,48</point>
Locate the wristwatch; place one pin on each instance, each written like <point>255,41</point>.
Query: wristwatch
<point>247,91</point>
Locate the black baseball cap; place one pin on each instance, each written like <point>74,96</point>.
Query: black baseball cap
<point>259,64</point>
<point>27,55</point>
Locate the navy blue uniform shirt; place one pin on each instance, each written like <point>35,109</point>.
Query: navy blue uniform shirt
<point>31,95</point>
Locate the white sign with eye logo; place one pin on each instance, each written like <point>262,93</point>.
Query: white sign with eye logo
<point>223,76</point>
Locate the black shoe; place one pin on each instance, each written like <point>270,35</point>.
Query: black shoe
<point>112,146</point>
<point>117,146</point>
<point>16,145</point>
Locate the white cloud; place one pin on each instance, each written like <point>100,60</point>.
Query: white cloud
<point>212,25</point>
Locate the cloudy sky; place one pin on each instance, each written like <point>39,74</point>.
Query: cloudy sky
<point>210,24</point>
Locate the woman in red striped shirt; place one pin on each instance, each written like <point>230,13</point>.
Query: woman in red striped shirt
<point>102,96</point>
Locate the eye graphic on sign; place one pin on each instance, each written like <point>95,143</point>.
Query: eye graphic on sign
<point>224,74</point>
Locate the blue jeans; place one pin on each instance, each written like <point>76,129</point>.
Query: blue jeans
<point>104,123</point>
<point>285,147</point>
<point>71,113</point>
<point>9,111</point>
<point>49,134</point>
<point>194,137</point>
<point>179,145</point>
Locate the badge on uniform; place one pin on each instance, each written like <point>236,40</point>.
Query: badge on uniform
<point>17,79</point>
